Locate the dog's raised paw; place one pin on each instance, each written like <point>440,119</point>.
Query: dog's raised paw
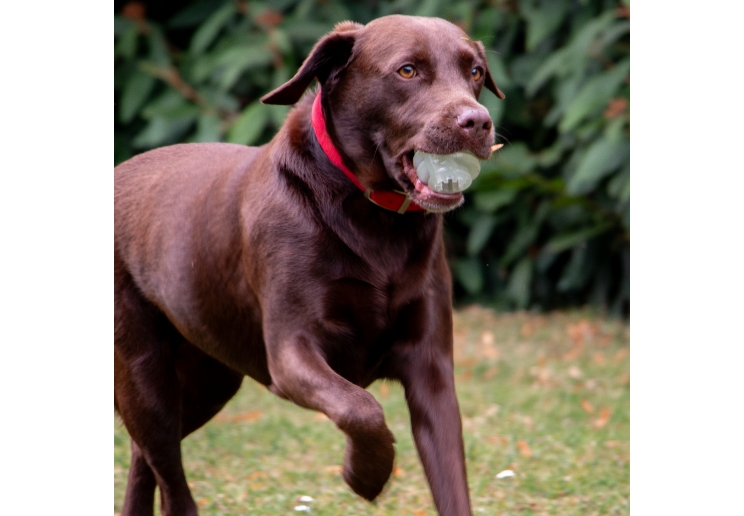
<point>368,464</point>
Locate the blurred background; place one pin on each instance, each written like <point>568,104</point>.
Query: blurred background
<point>547,223</point>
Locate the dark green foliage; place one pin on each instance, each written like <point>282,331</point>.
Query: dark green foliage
<point>547,224</point>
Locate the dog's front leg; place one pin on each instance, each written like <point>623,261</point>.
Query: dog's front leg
<point>429,385</point>
<point>300,374</point>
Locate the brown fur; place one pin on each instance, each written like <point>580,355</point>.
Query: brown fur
<point>268,262</point>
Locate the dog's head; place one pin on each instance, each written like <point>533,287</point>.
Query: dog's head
<point>395,86</point>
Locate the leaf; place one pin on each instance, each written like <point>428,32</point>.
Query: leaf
<point>594,95</point>
<point>160,131</point>
<point>556,64</point>
<point>122,25</point>
<point>159,53</point>
<point>136,91</point>
<point>603,419</point>
<point>489,202</point>
<point>193,14</point>
<point>619,186</point>
<point>565,92</point>
<point>576,271</point>
<point>172,112</point>
<point>479,234</point>
<point>542,20</point>
<point>612,34</point>
<point>524,449</point>
<point>568,240</point>
<point>208,128</point>
<point>304,31</point>
<point>236,60</point>
<point>603,157</point>
<point>588,408</point>
<point>525,236</point>
<point>169,116</point>
<point>569,61</point>
<point>126,47</point>
<point>520,282</point>
<point>281,40</point>
<point>278,114</point>
<point>469,273</point>
<point>249,125</point>
<point>428,8</point>
<point>513,160</point>
<point>584,38</point>
<point>208,31</point>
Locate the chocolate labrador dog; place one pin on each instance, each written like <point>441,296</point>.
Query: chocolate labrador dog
<point>313,264</point>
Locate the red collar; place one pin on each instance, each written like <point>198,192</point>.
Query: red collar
<point>388,199</point>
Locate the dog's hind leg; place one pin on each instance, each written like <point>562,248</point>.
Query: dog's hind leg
<point>148,398</point>
<point>205,385</point>
<point>300,374</point>
<point>141,483</point>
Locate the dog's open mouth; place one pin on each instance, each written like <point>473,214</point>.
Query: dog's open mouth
<point>422,193</point>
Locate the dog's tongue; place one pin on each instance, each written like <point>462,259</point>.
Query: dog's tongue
<point>448,173</point>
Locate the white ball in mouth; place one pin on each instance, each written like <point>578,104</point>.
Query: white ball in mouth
<point>446,173</point>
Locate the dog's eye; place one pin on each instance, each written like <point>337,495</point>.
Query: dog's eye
<point>407,72</point>
<point>476,73</point>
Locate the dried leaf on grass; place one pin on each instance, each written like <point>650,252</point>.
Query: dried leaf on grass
<point>603,419</point>
<point>524,449</point>
<point>487,338</point>
<point>491,372</point>
<point>527,330</point>
<point>588,408</point>
<point>384,391</point>
<point>498,439</point>
<point>621,354</point>
<point>582,331</point>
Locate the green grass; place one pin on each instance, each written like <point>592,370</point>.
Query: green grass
<point>546,396</point>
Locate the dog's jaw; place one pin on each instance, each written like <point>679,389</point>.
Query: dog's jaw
<point>421,193</point>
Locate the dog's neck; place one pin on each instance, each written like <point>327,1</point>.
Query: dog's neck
<point>388,199</point>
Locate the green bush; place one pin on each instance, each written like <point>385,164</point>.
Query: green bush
<point>547,224</point>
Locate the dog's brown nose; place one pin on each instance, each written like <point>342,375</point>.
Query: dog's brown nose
<point>475,122</point>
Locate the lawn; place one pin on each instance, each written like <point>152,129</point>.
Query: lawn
<point>546,396</point>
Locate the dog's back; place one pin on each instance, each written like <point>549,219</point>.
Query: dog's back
<point>178,242</point>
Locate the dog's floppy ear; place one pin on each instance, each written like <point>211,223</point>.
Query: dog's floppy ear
<point>329,56</point>
<point>488,81</point>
